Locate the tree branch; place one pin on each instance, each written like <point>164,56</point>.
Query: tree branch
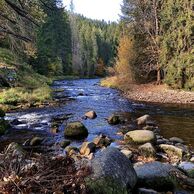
<point>18,36</point>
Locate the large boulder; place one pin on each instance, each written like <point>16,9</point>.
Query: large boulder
<point>172,151</point>
<point>157,176</point>
<point>91,115</point>
<point>113,173</point>
<point>76,130</point>
<point>140,137</point>
<point>188,167</point>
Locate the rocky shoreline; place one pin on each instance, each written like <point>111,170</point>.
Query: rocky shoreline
<point>142,162</point>
<point>158,94</point>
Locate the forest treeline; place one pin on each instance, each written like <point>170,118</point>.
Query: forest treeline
<point>157,42</point>
<point>154,41</point>
<point>54,41</point>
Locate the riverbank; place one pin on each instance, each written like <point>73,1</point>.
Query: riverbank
<point>150,92</point>
<point>117,142</point>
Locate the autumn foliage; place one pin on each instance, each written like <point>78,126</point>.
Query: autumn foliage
<point>124,66</point>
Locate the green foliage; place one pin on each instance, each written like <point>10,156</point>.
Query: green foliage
<point>6,56</point>
<point>54,43</point>
<point>163,32</point>
<point>92,40</point>
<point>177,56</point>
<point>13,96</point>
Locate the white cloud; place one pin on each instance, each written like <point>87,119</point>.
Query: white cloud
<point>97,9</point>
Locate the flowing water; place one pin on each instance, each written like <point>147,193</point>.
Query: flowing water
<point>86,95</point>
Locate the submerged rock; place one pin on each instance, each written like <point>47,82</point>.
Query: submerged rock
<point>140,137</point>
<point>76,130</point>
<point>16,122</point>
<point>112,173</point>
<point>157,176</point>
<point>114,120</point>
<point>91,114</point>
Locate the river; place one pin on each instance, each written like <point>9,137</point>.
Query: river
<point>85,95</point>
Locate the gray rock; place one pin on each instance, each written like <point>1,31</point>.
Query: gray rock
<point>172,151</point>
<point>147,150</point>
<point>113,173</point>
<point>76,130</point>
<point>140,137</point>
<point>142,120</point>
<point>91,114</point>
<point>146,191</point>
<point>188,167</point>
<point>157,176</point>
<point>127,153</point>
<point>161,141</point>
<point>192,159</point>
<point>176,140</point>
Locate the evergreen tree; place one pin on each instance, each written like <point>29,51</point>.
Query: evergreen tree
<point>177,43</point>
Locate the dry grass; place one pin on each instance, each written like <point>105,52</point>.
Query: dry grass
<point>118,82</point>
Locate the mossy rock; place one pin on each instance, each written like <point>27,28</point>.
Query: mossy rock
<point>114,120</point>
<point>4,125</point>
<point>2,113</point>
<point>76,130</point>
<point>112,173</point>
<point>65,143</point>
<point>105,186</point>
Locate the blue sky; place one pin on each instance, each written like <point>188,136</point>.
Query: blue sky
<point>97,9</point>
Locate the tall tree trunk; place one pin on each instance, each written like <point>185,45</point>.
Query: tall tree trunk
<point>155,7</point>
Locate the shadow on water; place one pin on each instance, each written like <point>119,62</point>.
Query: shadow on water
<point>174,120</point>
